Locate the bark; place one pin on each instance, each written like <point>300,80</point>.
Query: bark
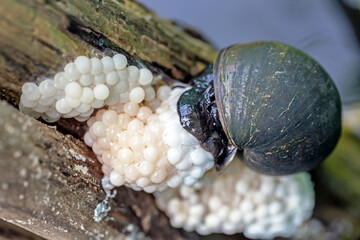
<point>50,180</point>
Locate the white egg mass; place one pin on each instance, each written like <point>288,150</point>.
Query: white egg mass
<point>146,149</point>
<point>87,84</point>
<point>240,201</point>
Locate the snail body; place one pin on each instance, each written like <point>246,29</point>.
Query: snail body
<point>277,106</point>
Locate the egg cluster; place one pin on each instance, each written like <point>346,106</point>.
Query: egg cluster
<point>84,85</point>
<point>144,146</point>
<point>240,200</point>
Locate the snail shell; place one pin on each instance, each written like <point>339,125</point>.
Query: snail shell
<point>276,105</point>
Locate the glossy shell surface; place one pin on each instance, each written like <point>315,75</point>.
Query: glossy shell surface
<point>277,105</point>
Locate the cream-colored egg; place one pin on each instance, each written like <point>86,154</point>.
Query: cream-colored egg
<point>131,108</point>
<point>110,117</point>
<point>99,129</point>
<point>125,156</point>
<point>135,125</point>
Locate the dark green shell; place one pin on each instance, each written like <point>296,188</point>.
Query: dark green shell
<point>277,105</point>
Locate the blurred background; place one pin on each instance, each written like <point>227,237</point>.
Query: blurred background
<point>321,28</point>
<point>329,31</point>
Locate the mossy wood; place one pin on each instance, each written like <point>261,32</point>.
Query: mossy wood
<point>49,179</point>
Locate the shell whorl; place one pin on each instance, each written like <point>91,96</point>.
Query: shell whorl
<point>277,105</point>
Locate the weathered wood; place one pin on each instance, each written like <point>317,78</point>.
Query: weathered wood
<point>50,182</point>
<point>13,232</point>
<point>50,186</point>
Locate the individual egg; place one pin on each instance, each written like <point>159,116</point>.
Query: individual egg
<point>99,114</point>
<point>136,143</point>
<point>53,113</point>
<point>73,89</point>
<point>59,94</point>
<point>112,78</point>
<point>71,114</point>
<point>60,80</point>
<point>132,172</point>
<point>86,80</point>
<point>123,138</point>
<point>124,97</point>
<point>99,129</point>
<point>121,87</point>
<point>151,154</point>
<point>118,107</point>
<point>96,103</point>
<point>133,85</point>
<point>101,92</point>
<point>108,64</point>
<point>96,66</point>
<point>72,102</point>
<point>110,117</point>
<point>137,95</point>
<point>154,104</point>
<point>26,102</point>
<point>144,113</point>
<point>28,111</point>
<point>31,91</point>
<point>88,140</point>
<point>135,125</point>
<point>134,74</point>
<point>131,108</point>
<point>120,61</point>
<point>62,106</point>
<point>47,88</point>
<point>83,64</point>
<point>87,95</point>
<point>80,118</point>
<point>99,79</point>
<point>123,120</point>
<point>146,168</point>
<point>163,92</point>
<point>83,108</point>
<point>46,101</point>
<point>49,119</point>
<point>116,179</point>
<point>113,98</point>
<point>158,176</point>
<point>123,74</point>
<point>149,94</point>
<point>71,72</point>
<point>145,76</point>
<point>143,182</point>
<point>174,155</point>
<point>104,143</point>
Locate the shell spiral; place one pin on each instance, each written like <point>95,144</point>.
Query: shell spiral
<point>277,105</point>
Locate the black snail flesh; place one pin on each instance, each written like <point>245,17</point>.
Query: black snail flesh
<point>270,103</point>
